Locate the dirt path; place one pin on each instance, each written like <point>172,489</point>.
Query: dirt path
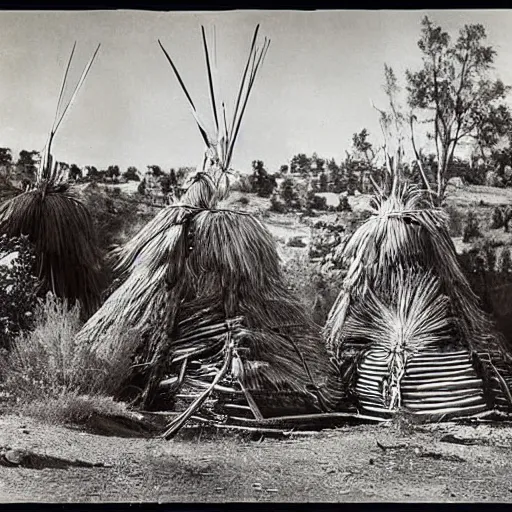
<point>342,465</point>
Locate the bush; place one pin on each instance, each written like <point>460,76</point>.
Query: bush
<point>471,228</point>
<point>497,220</point>
<point>455,221</point>
<point>89,412</point>
<point>48,362</point>
<point>505,261</point>
<point>296,241</point>
<point>344,205</point>
<point>317,202</point>
<point>141,188</point>
<point>244,201</point>
<point>242,184</point>
<point>18,288</point>
<point>114,215</point>
<point>276,205</point>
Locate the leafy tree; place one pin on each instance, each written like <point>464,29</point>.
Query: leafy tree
<point>75,172</point>
<point>301,164</point>
<point>318,166</point>
<point>292,194</point>
<point>19,288</point>
<point>141,189</point>
<point>92,173</point>
<point>283,169</point>
<point>505,261</point>
<point>261,181</point>
<point>322,182</point>
<point>182,175</point>
<point>5,157</point>
<point>173,178</point>
<point>131,174</point>
<point>113,172</point>
<point>336,181</point>
<point>455,93</point>
<point>28,161</point>
<point>471,228</point>
<point>166,184</point>
<point>362,145</point>
<point>364,156</point>
<point>156,170</point>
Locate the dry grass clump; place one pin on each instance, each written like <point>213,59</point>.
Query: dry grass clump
<point>73,409</point>
<point>49,372</point>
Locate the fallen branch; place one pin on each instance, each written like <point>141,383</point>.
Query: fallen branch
<point>176,424</point>
<point>442,456</point>
<point>392,447</point>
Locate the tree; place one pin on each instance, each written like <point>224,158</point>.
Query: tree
<point>364,155</point>
<point>131,174</point>
<point>28,161</point>
<point>92,172</point>
<point>363,146</point>
<point>319,164</point>
<point>156,170</point>
<point>113,172</point>
<point>5,157</point>
<point>173,179</point>
<point>322,182</point>
<point>261,181</point>
<point>300,164</point>
<point>165,184</point>
<point>454,92</point>
<point>141,189</point>
<point>75,172</point>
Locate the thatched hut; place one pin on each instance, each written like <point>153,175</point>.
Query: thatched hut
<point>203,288</point>
<point>406,328</point>
<point>58,224</point>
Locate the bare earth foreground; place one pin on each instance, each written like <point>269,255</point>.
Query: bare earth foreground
<point>357,463</point>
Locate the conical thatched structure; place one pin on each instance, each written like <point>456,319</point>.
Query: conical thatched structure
<point>203,288</point>
<point>58,224</point>
<point>406,327</point>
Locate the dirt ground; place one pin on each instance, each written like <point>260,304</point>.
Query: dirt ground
<point>364,463</point>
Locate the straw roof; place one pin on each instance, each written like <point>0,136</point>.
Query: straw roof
<point>59,225</point>
<point>404,306</point>
<point>198,278</point>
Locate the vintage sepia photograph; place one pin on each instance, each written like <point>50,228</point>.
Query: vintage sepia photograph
<point>256,256</point>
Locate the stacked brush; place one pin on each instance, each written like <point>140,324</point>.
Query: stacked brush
<point>406,327</point>
<point>203,288</point>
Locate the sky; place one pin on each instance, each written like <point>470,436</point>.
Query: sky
<point>315,89</point>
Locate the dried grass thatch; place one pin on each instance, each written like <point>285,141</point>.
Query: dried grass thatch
<point>405,297</point>
<point>190,272</point>
<point>204,288</point>
<point>68,261</point>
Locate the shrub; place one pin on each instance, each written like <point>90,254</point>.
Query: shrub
<point>497,220</point>
<point>344,205</point>
<point>48,362</point>
<point>507,217</point>
<point>18,288</point>
<point>244,201</point>
<point>505,261</point>
<point>141,188</point>
<point>296,241</point>
<point>276,205</point>
<point>455,221</point>
<point>471,228</point>
<point>316,202</point>
<point>114,215</point>
<point>242,184</point>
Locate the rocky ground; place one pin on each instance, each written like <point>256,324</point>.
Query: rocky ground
<point>365,463</point>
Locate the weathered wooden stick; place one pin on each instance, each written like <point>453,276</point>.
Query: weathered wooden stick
<point>176,424</point>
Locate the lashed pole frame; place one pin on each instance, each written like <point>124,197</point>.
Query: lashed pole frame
<point>222,149</point>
